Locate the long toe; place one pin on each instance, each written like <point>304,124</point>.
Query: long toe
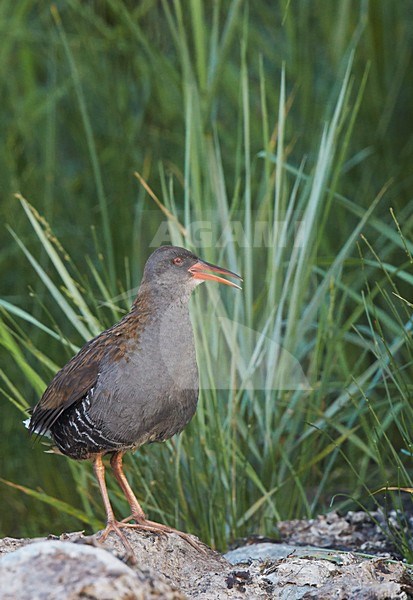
<point>115,526</point>
<point>185,536</point>
<point>152,526</point>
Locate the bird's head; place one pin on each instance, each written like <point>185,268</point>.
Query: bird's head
<point>174,268</point>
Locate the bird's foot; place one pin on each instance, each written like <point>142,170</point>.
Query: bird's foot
<point>138,517</point>
<point>144,524</point>
<point>116,526</point>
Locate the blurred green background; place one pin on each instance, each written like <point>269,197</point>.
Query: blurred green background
<point>221,107</point>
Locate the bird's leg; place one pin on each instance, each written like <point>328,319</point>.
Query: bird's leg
<point>117,467</point>
<point>141,522</point>
<point>111,523</point>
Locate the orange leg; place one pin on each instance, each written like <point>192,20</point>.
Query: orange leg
<point>141,522</point>
<point>117,468</point>
<point>111,523</point>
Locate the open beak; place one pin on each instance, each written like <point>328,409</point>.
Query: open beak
<point>205,271</point>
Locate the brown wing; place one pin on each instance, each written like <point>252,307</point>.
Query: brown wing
<point>80,374</point>
<point>69,385</point>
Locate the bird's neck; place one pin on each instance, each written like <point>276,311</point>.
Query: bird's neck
<point>166,329</point>
<point>153,299</point>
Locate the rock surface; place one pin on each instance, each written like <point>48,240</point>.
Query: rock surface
<point>66,570</point>
<point>372,533</point>
<point>74,566</point>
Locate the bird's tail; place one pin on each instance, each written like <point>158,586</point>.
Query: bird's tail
<point>26,423</point>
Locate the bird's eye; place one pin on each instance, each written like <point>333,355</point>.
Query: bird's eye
<point>178,261</point>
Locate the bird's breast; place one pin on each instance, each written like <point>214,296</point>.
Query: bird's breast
<point>151,392</point>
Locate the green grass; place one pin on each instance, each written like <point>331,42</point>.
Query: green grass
<point>293,117</point>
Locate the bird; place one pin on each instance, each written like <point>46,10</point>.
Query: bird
<point>133,384</point>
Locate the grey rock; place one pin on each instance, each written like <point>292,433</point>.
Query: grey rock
<point>52,570</point>
<point>373,533</point>
<point>204,576</point>
<point>274,551</point>
<point>304,572</point>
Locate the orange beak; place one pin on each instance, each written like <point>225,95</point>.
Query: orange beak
<point>204,271</point>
